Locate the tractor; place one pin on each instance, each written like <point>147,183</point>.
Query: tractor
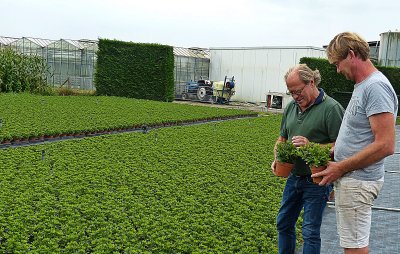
<point>201,90</point>
<point>219,91</point>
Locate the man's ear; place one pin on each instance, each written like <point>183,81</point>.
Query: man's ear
<point>352,54</point>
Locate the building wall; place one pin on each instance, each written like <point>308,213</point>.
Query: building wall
<point>257,71</point>
<point>389,50</point>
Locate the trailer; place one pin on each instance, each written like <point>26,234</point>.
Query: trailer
<point>223,90</point>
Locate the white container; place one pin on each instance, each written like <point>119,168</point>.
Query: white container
<point>389,49</point>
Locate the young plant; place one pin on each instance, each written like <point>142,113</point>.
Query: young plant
<point>286,152</point>
<point>315,154</point>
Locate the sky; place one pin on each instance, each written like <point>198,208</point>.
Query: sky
<point>202,23</point>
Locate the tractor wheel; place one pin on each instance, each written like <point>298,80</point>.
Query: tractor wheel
<point>184,96</point>
<point>201,94</point>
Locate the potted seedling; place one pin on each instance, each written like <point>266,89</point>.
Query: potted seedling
<point>316,156</point>
<point>286,154</point>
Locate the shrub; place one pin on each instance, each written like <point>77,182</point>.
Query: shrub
<point>20,73</point>
<point>135,70</point>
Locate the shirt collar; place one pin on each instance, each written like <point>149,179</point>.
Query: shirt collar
<point>321,97</point>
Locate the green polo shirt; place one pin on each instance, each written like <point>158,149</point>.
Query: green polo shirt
<point>319,123</point>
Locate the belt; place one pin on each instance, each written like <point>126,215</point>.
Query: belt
<point>302,176</point>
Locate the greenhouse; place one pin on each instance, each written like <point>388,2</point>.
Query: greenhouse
<point>191,64</point>
<point>70,62</point>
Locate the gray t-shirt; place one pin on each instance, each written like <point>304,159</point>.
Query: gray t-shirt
<point>372,96</point>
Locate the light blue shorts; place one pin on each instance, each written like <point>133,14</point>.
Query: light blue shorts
<point>353,204</point>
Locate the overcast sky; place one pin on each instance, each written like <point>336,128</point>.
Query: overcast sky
<point>202,23</point>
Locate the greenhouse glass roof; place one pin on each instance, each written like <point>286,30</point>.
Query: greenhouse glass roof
<point>192,52</point>
<point>7,40</point>
<point>29,40</point>
<point>88,45</point>
<point>67,44</point>
<point>83,44</point>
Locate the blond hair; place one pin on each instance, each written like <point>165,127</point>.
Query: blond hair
<point>340,45</point>
<point>305,74</point>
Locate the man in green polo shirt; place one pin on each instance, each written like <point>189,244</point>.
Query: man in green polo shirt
<point>312,116</point>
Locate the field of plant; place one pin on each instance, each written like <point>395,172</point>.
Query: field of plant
<point>27,116</point>
<point>186,189</point>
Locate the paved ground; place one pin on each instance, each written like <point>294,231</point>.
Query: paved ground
<point>233,105</point>
<point>385,228</point>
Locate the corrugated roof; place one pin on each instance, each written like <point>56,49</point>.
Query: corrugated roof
<point>192,52</point>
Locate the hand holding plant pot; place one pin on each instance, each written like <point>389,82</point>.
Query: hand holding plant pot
<point>286,154</point>
<point>316,156</point>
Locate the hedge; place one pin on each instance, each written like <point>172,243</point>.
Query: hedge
<point>338,87</point>
<point>135,70</point>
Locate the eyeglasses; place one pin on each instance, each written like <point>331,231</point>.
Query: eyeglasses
<point>297,92</point>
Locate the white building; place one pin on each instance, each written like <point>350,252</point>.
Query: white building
<point>258,70</point>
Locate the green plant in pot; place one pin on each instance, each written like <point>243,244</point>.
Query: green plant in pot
<point>286,154</point>
<point>316,156</point>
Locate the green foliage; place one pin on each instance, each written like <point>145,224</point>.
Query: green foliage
<point>20,73</point>
<point>338,87</point>
<point>27,115</point>
<point>315,154</point>
<point>173,190</point>
<point>393,74</point>
<point>136,70</point>
<point>286,152</point>
<point>331,81</point>
<point>334,82</point>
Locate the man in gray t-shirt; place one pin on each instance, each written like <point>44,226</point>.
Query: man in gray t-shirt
<point>366,137</point>
<point>372,96</point>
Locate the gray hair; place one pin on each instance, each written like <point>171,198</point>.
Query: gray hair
<point>305,74</point>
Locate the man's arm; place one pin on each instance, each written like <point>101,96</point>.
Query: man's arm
<point>382,126</point>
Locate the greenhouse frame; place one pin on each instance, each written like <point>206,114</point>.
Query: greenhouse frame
<point>191,64</point>
<point>71,63</point>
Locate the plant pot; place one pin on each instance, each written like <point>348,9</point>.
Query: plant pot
<point>316,170</point>
<point>6,142</point>
<point>283,169</point>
